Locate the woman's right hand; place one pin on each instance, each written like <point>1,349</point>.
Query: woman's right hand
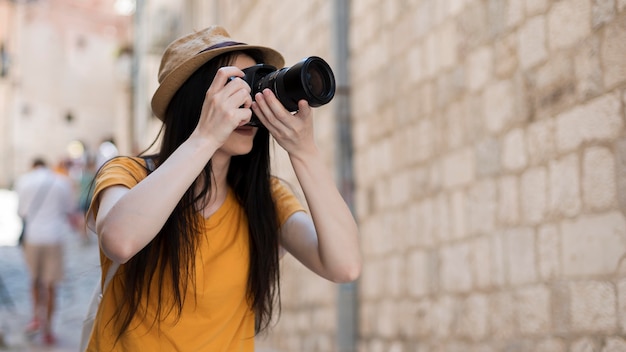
<point>226,106</point>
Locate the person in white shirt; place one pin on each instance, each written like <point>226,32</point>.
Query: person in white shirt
<point>46,202</point>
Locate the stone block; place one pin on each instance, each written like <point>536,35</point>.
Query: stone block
<point>602,12</point>
<point>424,140</point>
<point>479,68</point>
<point>569,21</point>
<point>371,281</point>
<point>505,56</point>
<point>458,210</point>
<point>534,7</point>
<point>443,221</point>
<point>417,274</point>
<point>565,197</point>
<point>533,310</point>
<point>561,303</point>
<point>593,307</point>
<point>447,41</point>
<point>454,7</point>
<point>584,344</point>
<point>621,173</point>
<point>589,74</point>
<point>455,125</point>
<point>497,17</point>
<point>593,244</point>
<point>613,53</point>
<point>552,86</point>
<point>551,345</point>
<point>420,324</point>
<point>450,86</point>
<point>514,156</point>
<point>508,200</point>
<point>597,120</point>
<point>431,64</point>
<point>548,251</point>
<point>387,322</point>
<point>473,26</point>
<point>621,305</point>
<point>459,168</point>
<point>599,183</point>
<point>426,225</point>
<point>481,207</point>
<point>394,278</point>
<point>499,260</point>
<point>443,316</point>
<point>502,320</point>
<point>614,344</point>
<point>540,141</point>
<point>514,13</point>
<point>367,319</point>
<point>534,195</point>
<point>532,47</point>
<point>416,68</point>
<point>499,103</point>
<point>400,184</point>
<point>455,269</point>
<point>488,157</point>
<point>482,262</point>
<point>473,322</point>
<point>520,256</point>
<point>421,183</point>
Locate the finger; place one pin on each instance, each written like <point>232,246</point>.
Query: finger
<point>274,104</point>
<point>304,109</point>
<point>235,86</point>
<point>265,112</point>
<point>223,75</point>
<point>244,116</point>
<point>239,98</point>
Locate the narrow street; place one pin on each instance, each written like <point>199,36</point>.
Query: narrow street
<point>73,295</point>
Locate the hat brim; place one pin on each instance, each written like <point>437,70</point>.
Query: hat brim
<point>175,79</point>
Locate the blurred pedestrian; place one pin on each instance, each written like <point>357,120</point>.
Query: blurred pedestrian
<point>46,202</point>
<point>106,151</point>
<point>199,239</point>
<point>85,193</point>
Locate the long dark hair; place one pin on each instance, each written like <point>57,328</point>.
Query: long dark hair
<point>172,252</point>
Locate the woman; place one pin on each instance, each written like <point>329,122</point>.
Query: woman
<point>199,239</point>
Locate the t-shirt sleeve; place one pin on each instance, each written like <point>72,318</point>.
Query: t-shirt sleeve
<point>286,201</point>
<point>121,171</point>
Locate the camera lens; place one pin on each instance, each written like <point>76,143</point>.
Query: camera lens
<point>315,81</point>
<point>310,79</point>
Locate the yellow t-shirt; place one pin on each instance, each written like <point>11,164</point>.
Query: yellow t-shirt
<point>216,315</point>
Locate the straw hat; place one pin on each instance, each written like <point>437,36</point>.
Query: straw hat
<point>186,54</point>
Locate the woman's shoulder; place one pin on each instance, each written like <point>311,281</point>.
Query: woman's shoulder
<point>124,161</point>
<point>286,198</point>
<point>280,186</point>
<point>124,166</point>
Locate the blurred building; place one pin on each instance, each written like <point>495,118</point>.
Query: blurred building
<point>65,77</point>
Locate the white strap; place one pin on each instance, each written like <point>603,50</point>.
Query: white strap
<point>110,273</point>
<point>92,310</point>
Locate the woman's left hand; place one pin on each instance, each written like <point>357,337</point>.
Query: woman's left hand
<point>294,132</point>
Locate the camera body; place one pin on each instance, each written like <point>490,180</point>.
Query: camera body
<point>310,79</point>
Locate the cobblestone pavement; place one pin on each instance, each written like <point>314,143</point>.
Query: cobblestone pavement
<point>73,294</point>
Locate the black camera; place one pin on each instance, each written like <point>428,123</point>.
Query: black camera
<point>310,79</point>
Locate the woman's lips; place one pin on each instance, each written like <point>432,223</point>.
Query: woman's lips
<point>245,130</point>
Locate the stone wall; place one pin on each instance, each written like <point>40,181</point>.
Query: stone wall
<point>490,164</point>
